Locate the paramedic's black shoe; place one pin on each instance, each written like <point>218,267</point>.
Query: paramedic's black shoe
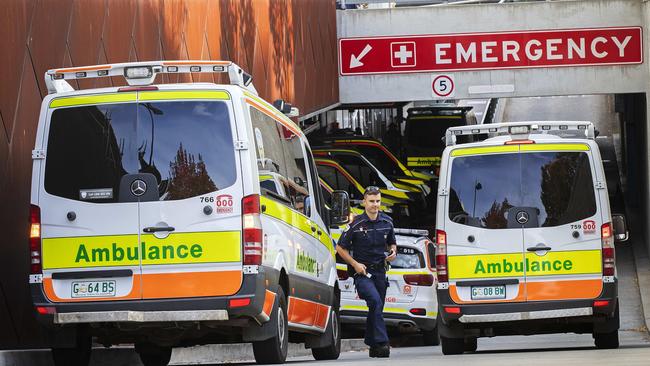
<point>380,351</point>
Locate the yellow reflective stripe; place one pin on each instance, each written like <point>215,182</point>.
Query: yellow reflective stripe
<point>434,117</point>
<point>554,147</point>
<point>365,308</point>
<point>183,94</point>
<point>422,160</point>
<point>432,313</point>
<point>394,193</point>
<point>341,266</point>
<point>419,175</point>
<point>93,99</point>
<point>485,150</point>
<point>295,219</point>
<point>406,187</point>
<point>415,181</point>
<point>123,250</point>
<point>511,264</point>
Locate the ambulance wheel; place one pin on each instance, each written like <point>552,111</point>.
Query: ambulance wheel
<point>452,346</point>
<point>274,350</point>
<point>152,355</point>
<point>609,340</point>
<point>430,337</point>
<point>470,344</point>
<point>606,340</point>
<point>332,351</point>
<point>74,356</point>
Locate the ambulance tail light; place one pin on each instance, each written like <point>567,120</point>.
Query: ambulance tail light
<point>419,279</point>
<point>252,230</point>
<point>441,256</point>
<point>609,255</point>
<point>35,239</point>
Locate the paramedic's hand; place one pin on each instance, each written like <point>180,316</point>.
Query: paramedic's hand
<point>360,268</point>
<point>393,254</point>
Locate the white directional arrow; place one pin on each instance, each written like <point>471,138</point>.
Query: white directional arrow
<point>355,61</point>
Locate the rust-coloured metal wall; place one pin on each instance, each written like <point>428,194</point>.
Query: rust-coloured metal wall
<point>289,46</point>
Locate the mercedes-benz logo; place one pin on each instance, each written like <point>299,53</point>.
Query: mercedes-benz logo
<point>522,217</point>
<point>138,187</point>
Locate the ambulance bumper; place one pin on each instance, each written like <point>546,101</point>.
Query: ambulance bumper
<point>139,316</point>
<point>495,312</point>
<point>191,309</point>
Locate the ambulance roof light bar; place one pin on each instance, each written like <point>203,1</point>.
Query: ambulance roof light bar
<point>575,129</point>
<point>144,73</point>
<point>416,232</point>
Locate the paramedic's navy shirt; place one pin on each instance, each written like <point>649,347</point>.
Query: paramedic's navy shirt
<point>367,239</point>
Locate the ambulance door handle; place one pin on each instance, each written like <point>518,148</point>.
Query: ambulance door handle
<point>534,249</point>
<point>155,229</point>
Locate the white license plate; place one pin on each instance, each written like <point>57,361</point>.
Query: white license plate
<point>93,288</point>
<point>488,292</point>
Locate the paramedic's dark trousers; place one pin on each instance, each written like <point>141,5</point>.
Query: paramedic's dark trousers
<point>373,291</point>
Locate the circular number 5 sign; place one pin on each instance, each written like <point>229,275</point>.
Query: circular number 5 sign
<point>443,86</point>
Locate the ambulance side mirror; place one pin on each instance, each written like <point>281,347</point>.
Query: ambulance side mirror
<point>620,228</point>
<point>340,211</point>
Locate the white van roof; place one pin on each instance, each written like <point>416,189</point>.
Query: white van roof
<point>521,130</point>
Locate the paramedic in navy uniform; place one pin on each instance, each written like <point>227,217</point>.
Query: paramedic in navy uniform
<point>363,246</point>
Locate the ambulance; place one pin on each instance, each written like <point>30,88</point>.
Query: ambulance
<point>174,215</point>
<point>524,235</point>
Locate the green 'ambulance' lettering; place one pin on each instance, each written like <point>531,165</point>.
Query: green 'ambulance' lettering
<point>131,253</point>
<point>517,268</point>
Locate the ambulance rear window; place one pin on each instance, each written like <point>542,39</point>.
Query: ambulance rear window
<point>186,145</point>
<point>408,258</point>
<point>558,184</point>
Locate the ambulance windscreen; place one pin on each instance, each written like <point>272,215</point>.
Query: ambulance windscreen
<point>557,185</point>
<point>186,145</point>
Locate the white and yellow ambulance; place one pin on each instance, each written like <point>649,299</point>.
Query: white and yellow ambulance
<point>151,222</point>
<point>525,237</point>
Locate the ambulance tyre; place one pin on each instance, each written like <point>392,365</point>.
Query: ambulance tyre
<point>332,351</point>
<point>152,355</point>
<point>606,340</point>
<point>430,337</point>
<point>452,346</point>
<point>75,356</point>
<point>609,340</point>
<point>274,350</point>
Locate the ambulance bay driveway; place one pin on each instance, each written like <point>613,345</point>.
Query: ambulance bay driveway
<point>544,350</point>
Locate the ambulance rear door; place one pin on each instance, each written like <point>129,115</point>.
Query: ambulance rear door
<point>485,251</point>
<point>563,248</point>
<point>190,225</point>
<point>89,233</point>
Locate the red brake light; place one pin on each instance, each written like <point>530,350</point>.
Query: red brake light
<point>519,142</point>
<point>452,309</point>
<point>252,230</point>
<point>609,254</point>
<point>418,311</point>
<point>441,256</point>
<point>237,303</point>
<point>44,310</point>
<point>419,279</point>
<point>601,303</point>
<point>35,239</point>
